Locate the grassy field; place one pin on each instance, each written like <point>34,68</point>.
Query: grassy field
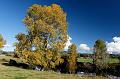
<point>81,59</point>
<point>10,72</point>
<point>112,60</point>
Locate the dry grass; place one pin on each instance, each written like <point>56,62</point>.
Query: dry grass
<point>10,72</point>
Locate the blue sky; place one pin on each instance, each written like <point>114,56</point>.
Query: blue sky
<point>88,20</point>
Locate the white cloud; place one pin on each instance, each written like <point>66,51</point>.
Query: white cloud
<point>84,47</point>
<point>68,43</point>
<point>114,47</point>
<point>8,47</point>
<point>116,39</point>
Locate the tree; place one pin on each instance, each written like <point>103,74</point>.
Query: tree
<point>100,54</point>
<point>46,32</point>
<point>72,58</point>
<point>46,25</point>
<point>2,41</point>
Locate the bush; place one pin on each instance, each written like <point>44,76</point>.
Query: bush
<point>22,65</point>
<point>12,62</point>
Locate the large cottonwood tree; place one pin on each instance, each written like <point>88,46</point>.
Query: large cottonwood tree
<point>47,32</point>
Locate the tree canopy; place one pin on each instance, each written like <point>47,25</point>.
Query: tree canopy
<point>46,35</point>
<point>47,26</point>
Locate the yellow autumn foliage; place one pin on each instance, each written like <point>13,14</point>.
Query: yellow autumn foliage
<point>2,41</point>
<point>46,36</point>
<point>72,58</point>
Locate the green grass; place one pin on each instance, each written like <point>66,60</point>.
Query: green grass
<point>90,60</point>
<point>113,60</point>
<point>81,59</point>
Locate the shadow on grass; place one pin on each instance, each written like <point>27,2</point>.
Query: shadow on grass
<point>18,77</point>
<point>19,65</point>
<point>6,64</point>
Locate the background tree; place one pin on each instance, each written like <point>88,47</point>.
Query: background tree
<point>72,58</point>
<point>47,32</point>
<point>2,41</point>
<point>100,54</point>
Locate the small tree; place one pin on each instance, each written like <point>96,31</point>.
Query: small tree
<point>100,55</point>
<point>2,41</point>
<point>72,58</point>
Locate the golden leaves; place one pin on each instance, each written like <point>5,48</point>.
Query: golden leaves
<point>48,9</point>
<point>2,41</point>
<point>50,20</point>
<point>21,37</point>
<point>46,25</point>
<point>49,54</point>
<point>52,58</point>
<point>28,21</point>
<point>37,41</point>
<point>59,46</point>
<point>34,58</point>
<point>72,58</point>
